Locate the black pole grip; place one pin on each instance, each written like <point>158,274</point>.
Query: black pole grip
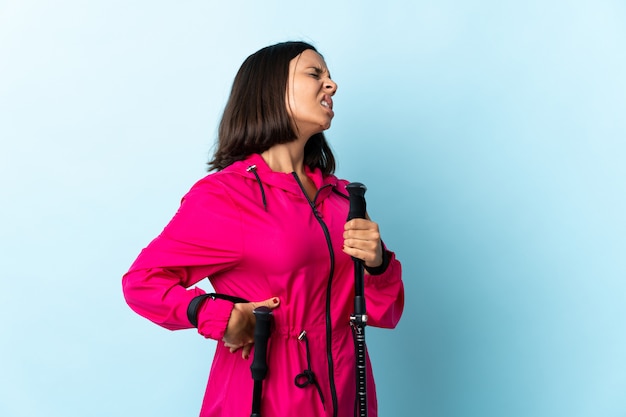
<point>261,336</point>
<point>356,192</point>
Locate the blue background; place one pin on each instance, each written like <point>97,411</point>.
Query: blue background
<point>490,135</point>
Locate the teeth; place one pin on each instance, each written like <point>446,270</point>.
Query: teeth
<point>324,103</point>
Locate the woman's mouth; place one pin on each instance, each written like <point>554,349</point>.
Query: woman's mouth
<point>327,101</point>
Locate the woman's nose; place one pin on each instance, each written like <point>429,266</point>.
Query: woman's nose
<point>330,86</point>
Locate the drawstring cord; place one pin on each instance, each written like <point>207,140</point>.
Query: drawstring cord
<point>307,376</point>
<point>252,168</point>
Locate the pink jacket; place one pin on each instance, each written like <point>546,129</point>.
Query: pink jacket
<point>255,234</point>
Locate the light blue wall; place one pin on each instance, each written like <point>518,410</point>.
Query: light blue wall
<point>490,135</point>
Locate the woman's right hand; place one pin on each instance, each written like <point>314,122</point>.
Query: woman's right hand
<point>240,329</point>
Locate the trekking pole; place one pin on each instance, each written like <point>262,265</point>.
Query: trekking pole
<point>358,319</point>
<point>259,363</point>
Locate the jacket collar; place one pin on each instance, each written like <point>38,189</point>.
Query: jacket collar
<point>285,181</point>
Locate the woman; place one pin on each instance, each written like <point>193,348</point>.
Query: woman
<point>270,227</point>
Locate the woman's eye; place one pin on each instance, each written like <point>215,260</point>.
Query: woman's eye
<point>314,75</point>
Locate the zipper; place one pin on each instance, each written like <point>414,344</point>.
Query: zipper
<point>329,353</point>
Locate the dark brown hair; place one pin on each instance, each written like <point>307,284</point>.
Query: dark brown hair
<point>256,118</point>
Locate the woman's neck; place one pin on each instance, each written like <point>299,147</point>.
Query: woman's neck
<point>285,157</point>
<point>289,157</point>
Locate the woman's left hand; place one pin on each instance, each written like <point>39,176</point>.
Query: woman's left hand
<point>361,239</point>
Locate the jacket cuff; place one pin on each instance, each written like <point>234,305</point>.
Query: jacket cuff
<point>391,275</point>
<point>380,269</point>
<point>213,318</point>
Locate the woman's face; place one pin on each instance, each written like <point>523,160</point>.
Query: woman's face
<point>309,92</point>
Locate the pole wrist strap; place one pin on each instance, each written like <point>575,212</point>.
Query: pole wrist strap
<point>196,303</point>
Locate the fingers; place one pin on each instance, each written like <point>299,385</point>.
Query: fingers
<point>362,241</point>
<point>371,258</point>
<point>234,347</point>
<point>240,332</point>
<point>245,349</point>
<point>361,229</point>
<point>271,303</point>
<point>245,352</point>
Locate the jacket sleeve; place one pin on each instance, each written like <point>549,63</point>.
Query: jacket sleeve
<point>384,295</point>
<point>202,239</point>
